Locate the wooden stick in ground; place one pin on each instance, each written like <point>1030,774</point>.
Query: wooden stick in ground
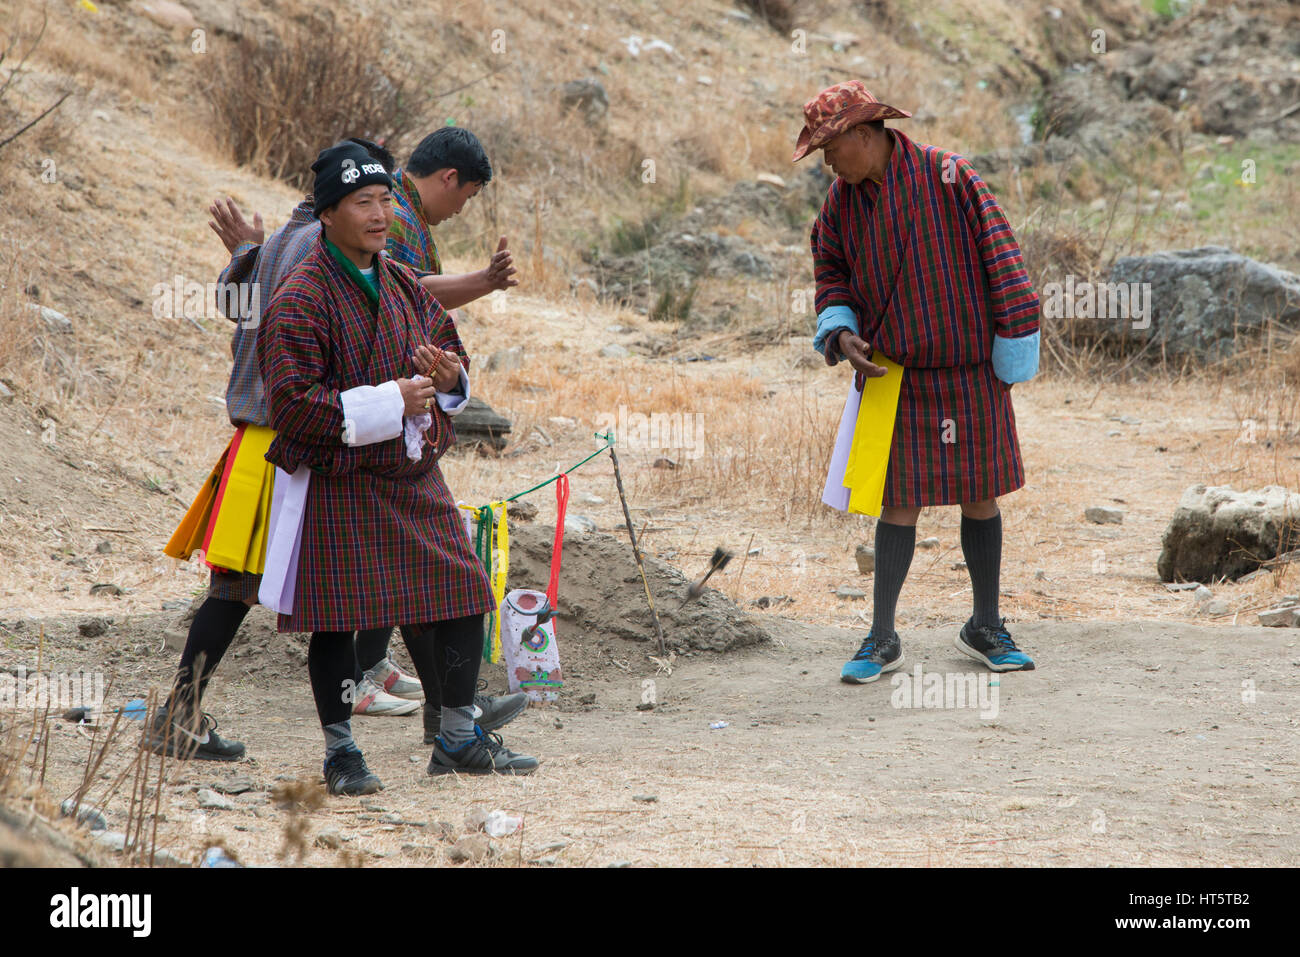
<point>636,549</point>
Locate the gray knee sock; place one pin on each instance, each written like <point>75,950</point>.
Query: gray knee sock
<point>338,738</point>
<point>894,547</point>
<point>981,543</point>
<point>457,727</point>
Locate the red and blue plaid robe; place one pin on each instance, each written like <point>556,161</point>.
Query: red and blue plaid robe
<point>382,539</point>
<point>931,269</point>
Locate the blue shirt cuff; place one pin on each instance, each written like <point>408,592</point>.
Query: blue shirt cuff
<point>829,322</point>
<point>1015,360</point>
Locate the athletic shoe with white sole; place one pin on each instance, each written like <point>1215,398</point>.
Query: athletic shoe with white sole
<point>490,712</point>
<point>874,658</point>
<point>486,754</point>
<point>346,774</point>
<point>395,681</point>
<point>178,738</point>
<point>374,700</point>
<point>993,646</point>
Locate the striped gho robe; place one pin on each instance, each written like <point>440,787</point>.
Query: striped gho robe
<point>382,540</point>
<point>924,267</point>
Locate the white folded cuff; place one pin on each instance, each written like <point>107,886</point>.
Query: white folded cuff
<point>372,413</point>
<point>454,403</point>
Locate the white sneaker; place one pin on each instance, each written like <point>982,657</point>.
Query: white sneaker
<point>372,699</point>
<point>395,681</point>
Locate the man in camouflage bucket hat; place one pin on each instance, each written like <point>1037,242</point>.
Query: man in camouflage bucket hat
<point>914,257</point>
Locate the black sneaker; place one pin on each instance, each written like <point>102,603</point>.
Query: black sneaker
<point>176,738</point>
<point>993,646</point>
<point>874,658</point>
<point>346,773</point>
<point>494,712</point>
<point>486,754</point>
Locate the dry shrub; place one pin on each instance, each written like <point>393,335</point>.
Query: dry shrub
<point>281,98</point>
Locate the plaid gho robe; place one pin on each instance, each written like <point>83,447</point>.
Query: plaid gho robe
<point>930,269</point>
<point>382,540</point>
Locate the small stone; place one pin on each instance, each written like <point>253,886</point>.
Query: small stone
<point>1040,575</point>
<point>771,601</point>
<point>105,588</point>
<point>928,543</point>
<point>866,556</point>
<point>559,725</point>
<point>579,525</point>
<point>848,591</point>
<point>543,861</point>
<point>87,814</point>
<point>959,566</point>
<point>1104,515</point>
<point>6,393</point>
<point>664,463</point>
<point>233,786</point>
<point>391,818</point>
<point>55,320</point>
<point>475,818</point>
<point>645,798</point>
<point>1182,586</point>
<point>619,864</point>
<point>1285,616</point>
<point>1202,594</point>
<point>210,799</point>
<point>331,840</point>
<point>646,706</point>
<point>104,548</point>
<point>589,499</point>
<point>1217,608</point>
<point>92,627</point>
<point>522,511</point>
<point>588,698</point>
<point>471,848</point>
<point>415,759</point>
<point>614,351</point>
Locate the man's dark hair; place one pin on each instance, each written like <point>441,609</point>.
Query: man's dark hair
<point>451,147</point>
<point>377,153</point>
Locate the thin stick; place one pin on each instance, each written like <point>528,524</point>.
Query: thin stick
<point>636,549</point>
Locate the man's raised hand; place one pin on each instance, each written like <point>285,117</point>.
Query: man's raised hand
<point>229,224</point>
<point>501,269</point>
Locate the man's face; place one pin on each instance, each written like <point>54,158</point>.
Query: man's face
<point>452,196</point>
<point>849,154</point>
<point>361,219</point>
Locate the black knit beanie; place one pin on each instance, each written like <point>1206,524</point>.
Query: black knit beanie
<point>342,169</point>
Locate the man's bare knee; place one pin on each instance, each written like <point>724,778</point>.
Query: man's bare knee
<point>987,508</point>
<point>900,514</point>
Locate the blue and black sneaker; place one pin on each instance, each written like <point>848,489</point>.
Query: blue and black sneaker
<point>874,658</point>
<point>993,646</point>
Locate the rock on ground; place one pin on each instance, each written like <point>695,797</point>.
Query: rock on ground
<point>1217,532</point>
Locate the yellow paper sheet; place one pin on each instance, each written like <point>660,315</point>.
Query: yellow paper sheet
<point>864,474</point>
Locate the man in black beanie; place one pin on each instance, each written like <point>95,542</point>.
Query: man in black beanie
<point>365,531</point>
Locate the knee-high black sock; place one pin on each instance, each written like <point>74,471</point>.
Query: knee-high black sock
<point>894,547</point>
<point>981,543</point>
<point>372,648</point>
<point>211,632</point>
<point>330,660</point>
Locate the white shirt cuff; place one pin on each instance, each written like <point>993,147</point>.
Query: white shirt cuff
<point>372,413</point>
<point>453,403</point>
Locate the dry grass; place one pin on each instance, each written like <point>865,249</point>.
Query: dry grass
<point>337,64</point>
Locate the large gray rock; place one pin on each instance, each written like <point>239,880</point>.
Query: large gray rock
<point>479,423</point>
<point>1217,532</point>
<point>1205,300</point>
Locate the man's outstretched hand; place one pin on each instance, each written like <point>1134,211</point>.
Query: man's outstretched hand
<point>229,224</point>
<point>855,350</point>
<point>501,269</point>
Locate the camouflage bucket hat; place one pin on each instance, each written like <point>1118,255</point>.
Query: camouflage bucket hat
<point>836,109</point>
